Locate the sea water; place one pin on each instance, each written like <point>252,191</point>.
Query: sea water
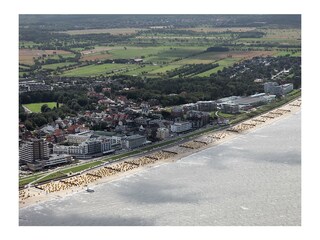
<point>253,179</point>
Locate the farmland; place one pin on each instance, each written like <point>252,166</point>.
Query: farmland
<point>36,107</point>
<point>219,29</point>
<point>222,64</point>
<point>128,50</point>
<point>54,66</point>
<point>28,56</point>
<point>95,70</point>
<point>113,31</point>
<point>98,52</point>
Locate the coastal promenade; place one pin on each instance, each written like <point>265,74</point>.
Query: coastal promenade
<point>131,165</point>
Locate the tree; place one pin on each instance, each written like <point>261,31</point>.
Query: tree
<point>29,125</point>
<point>82,101</point>
<point>45,108</point>
<point>39,120</point>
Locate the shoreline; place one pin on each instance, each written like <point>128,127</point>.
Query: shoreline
<point>202,142</point>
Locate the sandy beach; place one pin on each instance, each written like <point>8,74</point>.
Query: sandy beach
<point>133,165</point>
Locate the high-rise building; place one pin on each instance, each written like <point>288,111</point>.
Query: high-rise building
<point>134,141</point>
<point>179,127</point>
<point>31,151</point>
<point>275,88</point>
<point>91,148</point>
<point>163,133</point>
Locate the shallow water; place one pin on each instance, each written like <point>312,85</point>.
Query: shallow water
<point>254,179</point>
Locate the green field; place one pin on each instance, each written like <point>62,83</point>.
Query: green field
<point>135,52</point>
<point>81,167</point>
<point>284,53</point>
<point>222,64</point>
<point>95,70</point>
<point>66,55</point>
<point>157,54</point>
<point>28,44</point>
<point>164,69</point>
<point>36,107</point>
<point>143,70</point>
<point>54,66</point>
<point>21,73</point>
<point>51,176</point>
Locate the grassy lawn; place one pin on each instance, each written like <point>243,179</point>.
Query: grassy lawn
<point>142,70</point>
<point>81,167</point>
<point>135,52</point>
<point>27,44</point>
<point>164,69</point>
<point>36,107</point>
<point>291,54</point>
<point>23,67</point>
<point>56,65</point>
<point>52,176</point>
<point>25,181</point>
<point>227,62</point>
<point>113,31</point>
<point>95,70</point>
<point>21,73</point>
<point>225,115</point>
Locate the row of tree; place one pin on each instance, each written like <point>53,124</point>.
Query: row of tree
<point>191,69</point>
<point>236,80</point>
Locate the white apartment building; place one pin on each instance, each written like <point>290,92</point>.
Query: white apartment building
<point>87,148</point>
<point>134,141</point>
<point>163,133</point>
<point>79,137</point>
<point>36,149</point>
<point>181,127</point>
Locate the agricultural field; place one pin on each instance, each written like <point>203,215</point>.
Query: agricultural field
<point>28,44</point>
<point>113,31</point>
<point>96,53</point>
<point>209,57</point>
<point>21,73</point>
<point>27,56</point>
<point>54,66</point>
<point>282,33</point>
<point>292,54</point>
<point>222,64</point>
<point>157,54</point>
<point>142,70</point>
<point>96,70</point>
<point>162,50</point>
<point>23,67</point>
<point>36,107</point>
<point>280,36</point>
<point>164,69</point>
<point>135,52</point>
<point>218,30</point>
<point>119,52</point>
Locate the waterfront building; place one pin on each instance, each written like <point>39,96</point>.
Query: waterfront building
<point>134,141</point>
<point>276,89</point>
<point>163,133</point>
<point>79,137</point>
<point>230,108</point>
<point>179,127</point>
<point>206,106</point>
<point>33,150</point>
